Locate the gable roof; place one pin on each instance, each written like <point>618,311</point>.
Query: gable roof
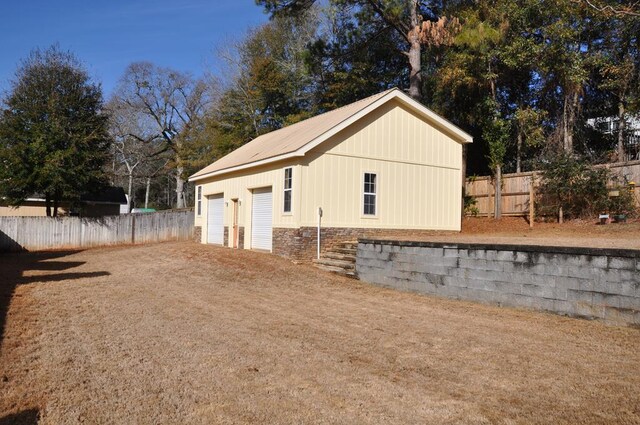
<point>297,139</point>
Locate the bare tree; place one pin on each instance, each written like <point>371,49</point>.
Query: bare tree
<point>175,102</point>
<point>135,143</point>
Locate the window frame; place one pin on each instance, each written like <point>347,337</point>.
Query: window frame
<point>199,201</point>
<point>375,193</point>
<point>286,189</point>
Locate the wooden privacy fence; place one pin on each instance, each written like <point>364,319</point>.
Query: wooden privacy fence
<point>38,233</point>
<point>517,190</point>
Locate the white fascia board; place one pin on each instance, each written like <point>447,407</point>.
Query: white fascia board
<point>443,122</point>
<point>347,122</point>
<point>245,166</point>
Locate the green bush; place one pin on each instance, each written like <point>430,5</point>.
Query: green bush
<point>580,189</point>
<point>470,207</point>
<point>624,203</point>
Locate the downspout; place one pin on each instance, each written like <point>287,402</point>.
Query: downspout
<point>319,223</point>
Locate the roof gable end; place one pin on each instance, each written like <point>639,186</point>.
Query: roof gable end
<point>298,139</point>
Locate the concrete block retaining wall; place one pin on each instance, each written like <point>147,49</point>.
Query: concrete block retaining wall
<point>583,282</point>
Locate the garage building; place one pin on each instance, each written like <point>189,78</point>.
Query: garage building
<point>383,165</point>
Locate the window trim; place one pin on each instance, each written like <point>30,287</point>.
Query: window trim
<point>285,190</point>
<point>375,195</point>
<point>199,201</point>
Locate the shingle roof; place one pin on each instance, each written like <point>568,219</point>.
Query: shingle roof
<point>293,138</point>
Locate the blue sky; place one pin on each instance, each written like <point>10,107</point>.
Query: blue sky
<point>108,35</point>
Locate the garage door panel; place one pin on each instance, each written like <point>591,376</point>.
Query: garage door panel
<point>261,219</point>
<point>215,220</point>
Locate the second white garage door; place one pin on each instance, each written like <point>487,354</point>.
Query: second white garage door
<point>261,219</point>
<point>215,220</point>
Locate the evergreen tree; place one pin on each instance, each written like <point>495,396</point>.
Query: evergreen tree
<point>53,131</point>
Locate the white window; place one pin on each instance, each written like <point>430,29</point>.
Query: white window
<point>370,188</point>
<point>199,201</point>
<point>288,180</point>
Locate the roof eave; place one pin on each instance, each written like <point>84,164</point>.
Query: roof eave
<point>265,161</point>
<point>456,131</point>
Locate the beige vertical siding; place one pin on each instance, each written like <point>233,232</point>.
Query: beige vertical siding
<point>418,168</point>
<point>239,185</point>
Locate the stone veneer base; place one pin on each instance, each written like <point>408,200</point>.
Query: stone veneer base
<point>300,244</point>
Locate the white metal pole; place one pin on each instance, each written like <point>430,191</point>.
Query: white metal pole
<point>319,222</point>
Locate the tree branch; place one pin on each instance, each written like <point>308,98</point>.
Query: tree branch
<point>630,10</point>
<point>400,27</point>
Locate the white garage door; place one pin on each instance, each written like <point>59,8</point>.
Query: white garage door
<point>215,220</point>
<point>261,216</point>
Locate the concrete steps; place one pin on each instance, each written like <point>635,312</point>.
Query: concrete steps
<point>340,256</point>
<point>347,251</point>
<point>340,259</point>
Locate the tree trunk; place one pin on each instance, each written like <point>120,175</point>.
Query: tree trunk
<point>415,59</point>
<point>55,205</point>
<point>130,190</point>
<point>560,216</point>
<point>498,190</point>
<point>47,202</point>
<point>622,126</point>
<point>565,135</point>
<point>146,193</point>
<point>519,152</point>
<point>569,119</point>
<point>168,191</point>
<point>179,187</point>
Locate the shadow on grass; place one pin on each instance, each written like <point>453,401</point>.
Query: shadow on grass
<point>26,417</point>
<point>12,273</point>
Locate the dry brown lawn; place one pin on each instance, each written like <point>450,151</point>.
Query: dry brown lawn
<point>185,333</point>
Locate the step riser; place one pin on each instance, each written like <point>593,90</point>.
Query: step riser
<point>338,256</point>
<point>339,259</point>
<point>338,271</point>
<point>339,266</point>
<point>344,251</point>
<point>345,246</point>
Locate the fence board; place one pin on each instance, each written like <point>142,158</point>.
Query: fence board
<point>38,233</point>
<point>515,189</point>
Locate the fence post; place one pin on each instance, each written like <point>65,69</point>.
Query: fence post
<point>133,228</point>
<point>532,214</point>
<point>491,213</point>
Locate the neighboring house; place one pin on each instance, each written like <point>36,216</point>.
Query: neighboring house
<point>107,202</point>
<point>610,125</point>
<point>383,165</point>
<point>124,208</point>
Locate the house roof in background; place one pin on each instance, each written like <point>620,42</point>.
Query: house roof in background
<point>299,138</point>
<point>109,195</point>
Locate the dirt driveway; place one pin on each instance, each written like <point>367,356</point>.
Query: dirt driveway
<point>184,333</point>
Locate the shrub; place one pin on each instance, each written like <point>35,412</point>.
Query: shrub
<point>580,189</point>
<point>624,203</point>
<point>470,207</point>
